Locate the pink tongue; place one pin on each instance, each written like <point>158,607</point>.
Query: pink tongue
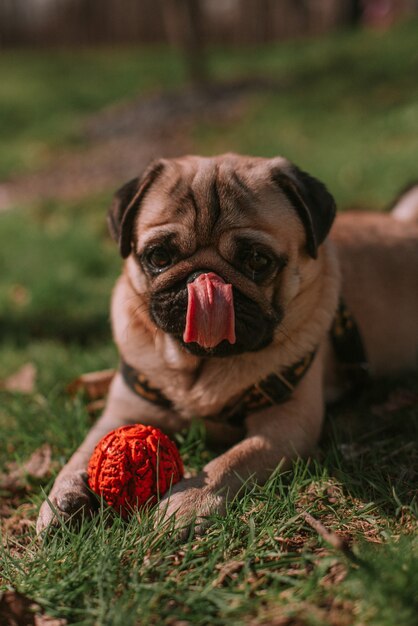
<point>210,312</point>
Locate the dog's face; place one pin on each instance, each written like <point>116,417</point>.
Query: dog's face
<point>217,246</point>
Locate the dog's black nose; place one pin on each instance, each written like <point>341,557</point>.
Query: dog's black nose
<point>197,273</point>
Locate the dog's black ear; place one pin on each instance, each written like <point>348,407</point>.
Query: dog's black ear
<point>120,203</point>
<point>312,201</point>
<point>126,203</point>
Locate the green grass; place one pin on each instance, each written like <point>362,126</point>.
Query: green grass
<point>62,255</point>
<point>346,106</point>
<point>46,96</point>
<point>347,112</point>
<point>260,560</point>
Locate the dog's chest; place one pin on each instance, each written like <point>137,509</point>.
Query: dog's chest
<point>206,397</point>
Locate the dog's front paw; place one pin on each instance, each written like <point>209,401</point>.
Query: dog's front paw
<point>191,503</point>
<point>69,501</point>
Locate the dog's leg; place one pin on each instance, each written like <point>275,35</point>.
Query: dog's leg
<point>70,496</point>
<point>276,435</point>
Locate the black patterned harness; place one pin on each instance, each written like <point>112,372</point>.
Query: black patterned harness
<point>277,387</point>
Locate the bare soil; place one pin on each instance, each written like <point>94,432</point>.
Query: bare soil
<point>121,140</point>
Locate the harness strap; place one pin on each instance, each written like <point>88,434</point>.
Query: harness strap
<point>274,389</point>
<point>349,347</point>
<point>277,387</point>
<point>140,385</point>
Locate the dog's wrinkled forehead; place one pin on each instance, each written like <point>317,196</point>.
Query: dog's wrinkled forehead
<point>207,195</point>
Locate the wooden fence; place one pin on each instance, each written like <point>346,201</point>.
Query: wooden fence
<point>74,22</point>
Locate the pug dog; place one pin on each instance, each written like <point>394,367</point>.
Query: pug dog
<point>229,289</point>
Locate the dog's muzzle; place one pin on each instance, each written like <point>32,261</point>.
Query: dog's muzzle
<point>212,318</point>
<point>196,274</point>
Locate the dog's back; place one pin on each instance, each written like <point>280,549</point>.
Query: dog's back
<point>405,207</point>
<point>379,262</point>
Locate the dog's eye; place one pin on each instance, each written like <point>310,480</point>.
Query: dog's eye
<point>257,262</point>
<point>159,258</point>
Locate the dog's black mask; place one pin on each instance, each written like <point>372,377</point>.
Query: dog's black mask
<point>253,329</point>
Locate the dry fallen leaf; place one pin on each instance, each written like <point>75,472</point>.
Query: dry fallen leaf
<point>280,620</point>
<point>18,610</point>
<point>38,466</point>
<point>46,620</point>
<point>397,400</point>
<point>96,406</point>
<point>39,463</point>
<point>94,384</point>
<point>22,381</point>
<point>19,295</point>
<point>18,528</point>
<point>227,570</point>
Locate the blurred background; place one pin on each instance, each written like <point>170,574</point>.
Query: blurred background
<point>92,90</point>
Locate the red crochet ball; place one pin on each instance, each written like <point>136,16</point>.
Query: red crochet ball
<point>132,466</point>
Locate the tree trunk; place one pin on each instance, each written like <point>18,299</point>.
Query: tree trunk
<point>183,21</point>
